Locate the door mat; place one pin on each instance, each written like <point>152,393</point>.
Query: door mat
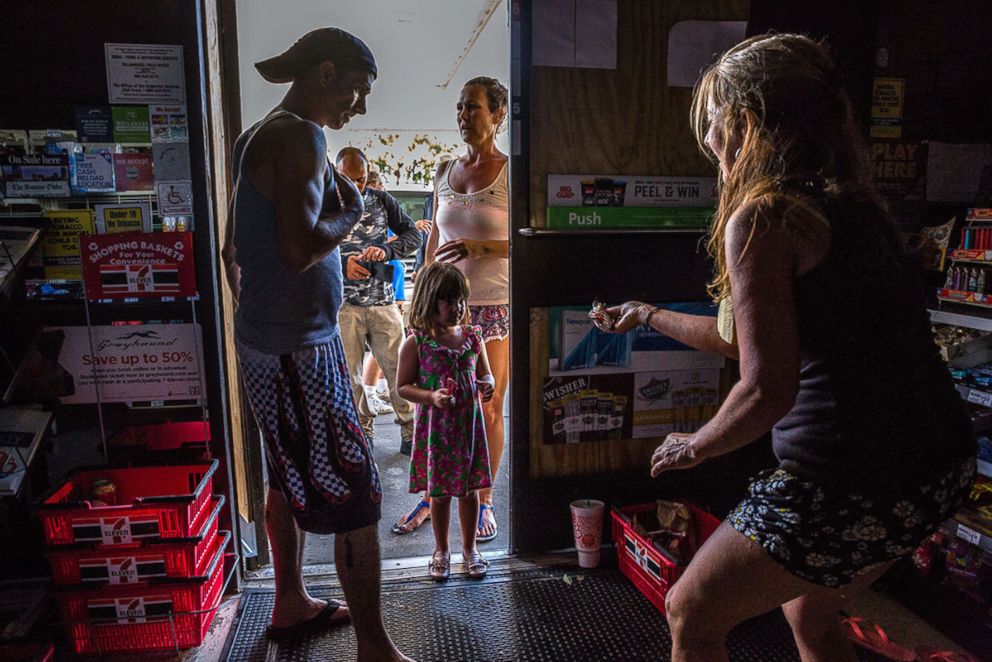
<point>534,615</point>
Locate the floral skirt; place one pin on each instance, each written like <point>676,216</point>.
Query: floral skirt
<point>494,320</point>
<point>829,538</point>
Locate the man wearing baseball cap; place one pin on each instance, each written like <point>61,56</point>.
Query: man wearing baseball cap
<point>288,214</point>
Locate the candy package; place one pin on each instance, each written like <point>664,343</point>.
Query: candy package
<point>601,318</point>
<point>670,530</point>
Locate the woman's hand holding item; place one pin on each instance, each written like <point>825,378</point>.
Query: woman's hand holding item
<point>424,225</point>
<point>629,315</point>
<point>487,386</point>
<point>676,452</point>
<point>442,399</point>
<point>460,249</point>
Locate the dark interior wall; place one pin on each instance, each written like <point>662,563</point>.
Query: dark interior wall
<point>53,60</point>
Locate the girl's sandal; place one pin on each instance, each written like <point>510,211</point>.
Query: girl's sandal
<point>440,566</point>
<point>870,635</point>
<point>475,565</point>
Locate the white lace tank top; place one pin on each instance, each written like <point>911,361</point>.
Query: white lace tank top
<point>482,215</point>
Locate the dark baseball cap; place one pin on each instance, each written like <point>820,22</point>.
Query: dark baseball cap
<point>342,48</point>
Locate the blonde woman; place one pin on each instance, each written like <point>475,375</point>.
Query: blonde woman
<point>836,359</point>
<point>471,230</point>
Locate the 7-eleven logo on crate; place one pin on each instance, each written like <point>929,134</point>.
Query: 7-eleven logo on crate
<point>114,530</point>
<point>130,610</point>
<point>122,279</point>
<point>121,569</point>
<point>639,552</point>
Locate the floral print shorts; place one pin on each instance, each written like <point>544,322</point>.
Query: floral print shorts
<point>494,320</point>
<point>830,538</point>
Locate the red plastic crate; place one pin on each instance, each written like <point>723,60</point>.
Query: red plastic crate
<point>651,572</point>
<point>165,614</point>
<point>179,558</point>
<point>152,502</point>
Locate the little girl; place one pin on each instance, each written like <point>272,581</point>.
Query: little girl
<point>444,371</point>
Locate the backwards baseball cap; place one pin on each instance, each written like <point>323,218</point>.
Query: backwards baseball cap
<point>342,48</point>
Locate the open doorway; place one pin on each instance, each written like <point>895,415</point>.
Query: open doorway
<point>425,51</point>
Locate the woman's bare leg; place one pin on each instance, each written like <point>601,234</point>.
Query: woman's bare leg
<point>498,352</point>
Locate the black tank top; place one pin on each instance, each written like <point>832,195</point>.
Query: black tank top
<point>876,409</point>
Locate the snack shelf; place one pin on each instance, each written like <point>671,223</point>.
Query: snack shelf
<point>968,534</point>
<point>961,296</point>
<point>976,255</point>
<point>971,321</point>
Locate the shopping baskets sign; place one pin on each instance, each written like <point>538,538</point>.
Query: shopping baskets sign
<point>138,265</point>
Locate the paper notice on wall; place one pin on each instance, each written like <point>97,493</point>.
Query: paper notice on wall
<point>134,363</point>
<point>145,73</point>
<point>955,172</point>
<point>694,45</point>
<point>575,33</point>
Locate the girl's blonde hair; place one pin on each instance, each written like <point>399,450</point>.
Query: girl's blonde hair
<point>782,97</point>
<point>438,281</point>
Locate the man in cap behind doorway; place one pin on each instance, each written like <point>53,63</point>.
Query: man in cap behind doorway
<point>288,214</point>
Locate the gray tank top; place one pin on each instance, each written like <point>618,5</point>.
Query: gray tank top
<point>279,312</point>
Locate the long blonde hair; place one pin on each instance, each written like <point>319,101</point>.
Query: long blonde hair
<point>782,97</point>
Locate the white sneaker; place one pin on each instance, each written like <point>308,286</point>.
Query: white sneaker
<point>377,405</point>
<point>382,390</point>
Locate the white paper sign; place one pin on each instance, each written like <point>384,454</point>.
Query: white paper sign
<point>145,73</point>
<point>575,33</point>
<point>694,45</point>
<point>136,363</point>
<point>175,198</point>
<point>171,162</point>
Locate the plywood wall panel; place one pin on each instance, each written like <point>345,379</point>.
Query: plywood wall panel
<point>623,121</point>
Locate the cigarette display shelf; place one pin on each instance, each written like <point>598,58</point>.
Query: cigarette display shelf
<point>974,395</point>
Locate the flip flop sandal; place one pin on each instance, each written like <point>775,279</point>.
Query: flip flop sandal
<point>475,565</point>
<point>324,620</point>
<point>478,527</point>
<point>935,655</point>
<point>440,566</point>
<point>399,529</point>
<point>871,636</point>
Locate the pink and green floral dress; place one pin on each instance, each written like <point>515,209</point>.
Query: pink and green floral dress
<point>450,456</point>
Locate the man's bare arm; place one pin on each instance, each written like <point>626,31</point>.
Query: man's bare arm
<point>303,235</point>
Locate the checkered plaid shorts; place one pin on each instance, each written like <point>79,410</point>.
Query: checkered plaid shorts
<point>316,450</point>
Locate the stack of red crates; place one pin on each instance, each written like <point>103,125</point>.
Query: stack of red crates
<point>143,571</point>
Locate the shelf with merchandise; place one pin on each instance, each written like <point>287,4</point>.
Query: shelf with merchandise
<point>966,297</point>
<point>974,395</point>
<point>972,255</point>
<point>975,318</point>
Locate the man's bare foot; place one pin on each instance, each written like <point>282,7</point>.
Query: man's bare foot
<point>289,614</point>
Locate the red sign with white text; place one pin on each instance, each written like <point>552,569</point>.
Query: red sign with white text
<point>138,265</point>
